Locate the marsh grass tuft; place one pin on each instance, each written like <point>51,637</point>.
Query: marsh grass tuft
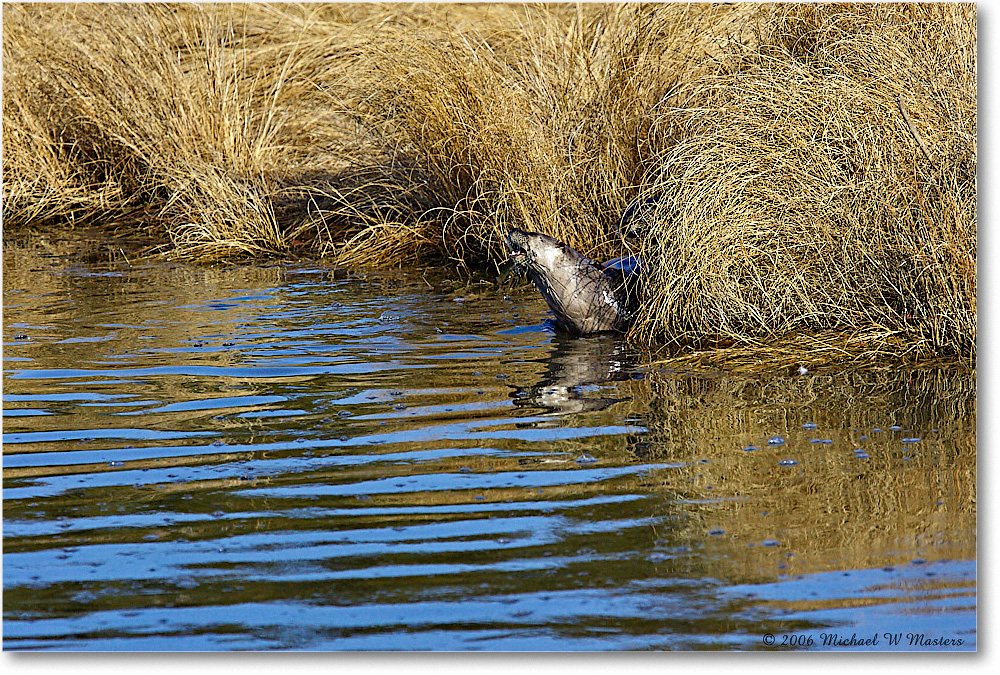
<point>813,166</point>
<point>798,197</point>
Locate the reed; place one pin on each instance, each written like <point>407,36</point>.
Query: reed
<point>813,166</point>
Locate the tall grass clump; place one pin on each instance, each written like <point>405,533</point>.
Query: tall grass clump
<point>545,120</point>
<point>190,113</point>
<point>825,179</point>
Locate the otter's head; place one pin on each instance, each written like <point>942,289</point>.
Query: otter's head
<point>538,253</point>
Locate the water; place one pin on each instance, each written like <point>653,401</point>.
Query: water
<point>285,457</point>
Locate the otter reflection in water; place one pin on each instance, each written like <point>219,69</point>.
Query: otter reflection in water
<point>575,368</point>
<point>585,296</point>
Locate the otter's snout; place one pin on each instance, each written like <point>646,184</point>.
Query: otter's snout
<point>517,242</point>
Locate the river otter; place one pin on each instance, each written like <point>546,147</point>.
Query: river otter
<point>585,296</point>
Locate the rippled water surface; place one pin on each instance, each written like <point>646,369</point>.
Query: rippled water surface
<point>288,457</point>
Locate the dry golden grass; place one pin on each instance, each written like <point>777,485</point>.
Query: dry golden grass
<point>815,164</point>
<point>162,106</point>
<point>798,196</point>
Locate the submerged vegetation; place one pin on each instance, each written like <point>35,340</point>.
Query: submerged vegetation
<point>805,167</point>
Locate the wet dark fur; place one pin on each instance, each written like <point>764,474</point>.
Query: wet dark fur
<point>585,296</point>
